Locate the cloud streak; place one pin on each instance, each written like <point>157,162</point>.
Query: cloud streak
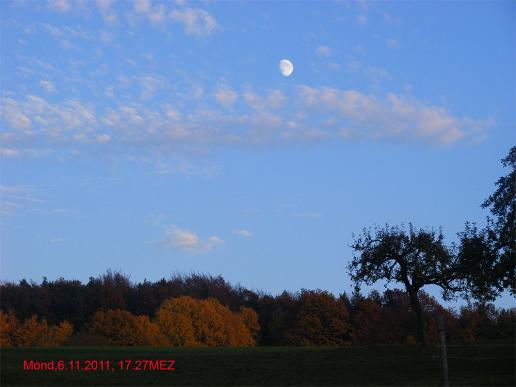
<point>187,241</point>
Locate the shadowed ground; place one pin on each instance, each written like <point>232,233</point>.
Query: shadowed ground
<point>489,364</point>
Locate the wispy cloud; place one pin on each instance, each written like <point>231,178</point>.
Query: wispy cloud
<point>323,51</point>
<point>59,5</point>
<point>244,233</point>
<point>156,14</point>
<point>225,96</point>
<point>393,43</point>
<point>16,198</point>
<point>196,21</point>
<point>307,214</point>
<point>185,240</point>
<point>48,86</point>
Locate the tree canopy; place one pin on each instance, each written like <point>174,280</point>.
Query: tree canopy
<point>412,257</point>
<point>487,255</point>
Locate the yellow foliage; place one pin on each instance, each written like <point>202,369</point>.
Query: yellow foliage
<point>189,322</point>
<point>250,319</point>
<point>58,334</point>
<point>32,332</point>
<point>38,333</point>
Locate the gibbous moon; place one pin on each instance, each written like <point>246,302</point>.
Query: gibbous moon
<point>286,67</point>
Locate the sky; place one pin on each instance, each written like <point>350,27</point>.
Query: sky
<point>160,137</point>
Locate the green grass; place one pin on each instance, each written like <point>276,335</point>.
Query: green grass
<point>488,364</point>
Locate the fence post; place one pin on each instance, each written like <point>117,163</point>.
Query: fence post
<point>443,360</point>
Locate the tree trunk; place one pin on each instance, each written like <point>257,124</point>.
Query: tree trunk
<point>414,300</point>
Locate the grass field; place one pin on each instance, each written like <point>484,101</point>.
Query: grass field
<point>490,364</point>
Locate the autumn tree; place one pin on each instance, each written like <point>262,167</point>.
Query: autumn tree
<point>120,327</point>
<point>321,319</point>
<point>413,257</point>
<point>368,323</point>
<point>250,319</point>
<point>189,322</point>
<point>33,332</point>
<point>8,328</point>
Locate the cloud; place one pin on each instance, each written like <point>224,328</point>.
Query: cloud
<point>16,198</point>
<point>14,115</point>
<point>393,43</point>
<point>106,10</point>
<point>225,96</point>
<point>193,122</point>
<point>48,86</point>
<point>103,138</point>
<point>323,51</point>
<point>313,214</point>
<point>185,240</point>
<point>9,153</point>
<point>155,14</point>
<point>391,117</point>
<point>196,21</point>
<point>243,233</point>
<point>59,5</point>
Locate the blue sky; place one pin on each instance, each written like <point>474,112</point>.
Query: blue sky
<point>158,137</point>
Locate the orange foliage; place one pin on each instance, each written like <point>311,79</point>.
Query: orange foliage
<point>8,328</point>
<point>120,327</point>
<point>189,322</point>
<point>250,319</point>
<point>32,332</point>
<point>320,320</point>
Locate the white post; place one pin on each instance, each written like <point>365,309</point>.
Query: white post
<point>443,360</point>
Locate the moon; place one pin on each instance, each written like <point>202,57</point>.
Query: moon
<point>286,67</point>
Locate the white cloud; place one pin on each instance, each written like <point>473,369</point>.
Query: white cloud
<point>392,117</point>
<point>273,100</point>
<point>14,116</point>
<point>104,5</point>
<point>103,138</point>
<point>185,240</point>
<point>196,21</point>
<point>244,233</point>
<point>48,86</point>
<point>142,6</point>
<point>307,114</point>
<point>225,96</point>
<point>59,5</point>
<point>149,85</point>
<point>323,51</point>
<point>155,14</point>
<point>106,10</point>
<point>9,152</point>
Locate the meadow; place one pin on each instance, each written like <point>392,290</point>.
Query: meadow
<point>484,364</point>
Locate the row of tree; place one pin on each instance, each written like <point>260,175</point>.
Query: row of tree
<point>32,332</point>
<point>234,316</point>
<point>181,321</point>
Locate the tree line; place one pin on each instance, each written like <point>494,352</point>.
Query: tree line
<point>203,310</point>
